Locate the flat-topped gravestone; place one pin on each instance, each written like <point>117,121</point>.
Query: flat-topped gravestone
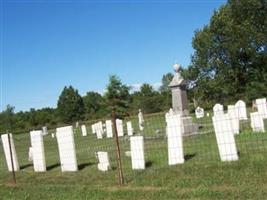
<point>234,120</point>
<point>225,137</point>
<point>93,128</point>
<point>109,128</point>
<point>38,152</point>
<point>218,109</point>
<point>45,131</point>
<point>257,123</point>
<point>137,152</point>
<point>129,128</point>
<point>8,154</point>
<point>119,124</point>
<point>262,107</point>
<point>99,130</point>
<point>84,131</point>
<point>175,139</point>
<point>66,148</point>
<point>199,112</point>
<point>103,159</point>
<point>141,120</point>
<point>241,110</point>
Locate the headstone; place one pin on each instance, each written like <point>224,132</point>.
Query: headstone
<point>103,159</point>
<point>262,107</point>
<point>53,135</point>
<point>77,125</point>
<point>208,114</point>
<point>175,139</point>
<point>8,154</point>
<point>84,131</point>
<point>99,130</point>
<point>30,155</point>
<point>119,124</point>
<point>66,148</point>
<point>141,120</point>
<point>129,128</point>
<point>199,112</point>
<point>93,128</point>
<point>38,153</point>
<point>137,152</point>
<point>234,119</point>
<point>257,123</point>
<point>45,131</point>
<point>241,110</point>
<point>109,129</point>
<point>218,109</point>
<point>225,137</point>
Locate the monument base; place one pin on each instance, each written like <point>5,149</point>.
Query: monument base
<point>188,127</point>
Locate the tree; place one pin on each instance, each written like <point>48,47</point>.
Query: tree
<point>230,58</point>
<point>166,91</point>
<point>117,96</point>
<point>94,105</point>
<point>7,118</point>
<point>70,105</point>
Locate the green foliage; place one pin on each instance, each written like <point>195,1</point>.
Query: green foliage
<point>70,105</point>
<point>117,96</point>
<point>230,58</point>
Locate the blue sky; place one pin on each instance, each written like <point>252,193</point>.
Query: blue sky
<point>46,45</point>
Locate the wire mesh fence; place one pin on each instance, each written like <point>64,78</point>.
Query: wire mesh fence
<point>87,154</point>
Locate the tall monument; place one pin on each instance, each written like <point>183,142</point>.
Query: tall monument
<point>180,103</point>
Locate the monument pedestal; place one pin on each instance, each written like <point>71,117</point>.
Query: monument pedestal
<point>188,127</point>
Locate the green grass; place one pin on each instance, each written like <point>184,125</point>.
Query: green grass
<point>202,176</point>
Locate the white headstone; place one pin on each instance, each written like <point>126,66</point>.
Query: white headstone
<point>199,112</point>
<point>99,130</point>
<point>53,135</point>
<point>257,123</point>
<point>225,137</point>
<point>45,132</point>
<point>30,155</point>
<point>66,148</point>
<point>218,109</point>
<point>8,154</point>
<point>94,128</point>
<point>38,153</point>
<point>232,114</point>
<point>141,120</point>
<point>137,152</point>
<point>103,159</point>
<point>241,110</point>
<point>119,124</point>
<point>109,129</point>
<point>262,107</point>
<point>129,128</point>
<point>84,131</point>
<point>175,139</point>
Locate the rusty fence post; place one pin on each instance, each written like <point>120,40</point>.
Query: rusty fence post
<point>118,152</point>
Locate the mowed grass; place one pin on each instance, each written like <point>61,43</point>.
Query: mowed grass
<point>202,176</point>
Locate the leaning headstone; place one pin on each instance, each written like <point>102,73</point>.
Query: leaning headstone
<point>241,110</point>
<point>109,128</point>
<point>199,112</point>
<point>8,154</point>
<point>99,130</point>
<point>84,131</point>
<point>225,137</point>
<point>141,120</point>
<point>119,124</point>
<point>137,152</point>
<point>257,123</point>
<point>262,107</point>
<point>218,109</point>
<point>234,120</point>
<point>66,148</point>
<point>103,159</point>
<point>175,139</point>
<point>38,153</point>
<point>129,128</point>
<point>45,131</point>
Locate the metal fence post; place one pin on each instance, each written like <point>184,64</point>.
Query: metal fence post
<point>11,157</point>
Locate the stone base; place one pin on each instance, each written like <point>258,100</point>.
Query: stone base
<point>188,127</point>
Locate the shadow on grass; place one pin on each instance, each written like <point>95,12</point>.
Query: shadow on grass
<point>25,166</point>
<point>49,168</point>
<point>149,164</point>
<point>189,156</point>
<point>84,165</point>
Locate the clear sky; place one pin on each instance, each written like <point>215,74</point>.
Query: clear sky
<point>46,45</point>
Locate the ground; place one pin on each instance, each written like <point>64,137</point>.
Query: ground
<point>202,176</point>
